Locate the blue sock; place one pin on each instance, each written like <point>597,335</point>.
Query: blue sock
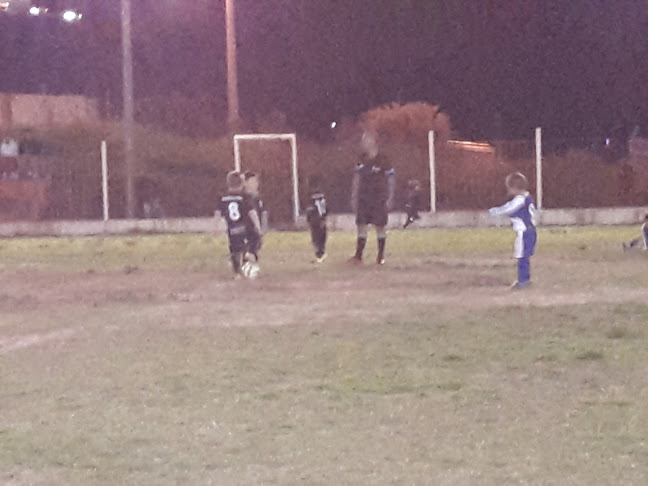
<point>524,269</point>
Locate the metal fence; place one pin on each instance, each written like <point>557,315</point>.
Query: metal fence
<point>469,175</point>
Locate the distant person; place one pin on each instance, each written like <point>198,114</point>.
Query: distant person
<point>252,190</point>
<point>413,202</point>
<point>316,215</point>
<point>242,220</point>
<point>642,241</point>
<point>9,150</point>
<point>521,210</point>
<point>372,196</point>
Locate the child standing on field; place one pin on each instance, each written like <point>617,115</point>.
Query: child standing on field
<point>521,209</point>
<point>316,214</point>
<point>642,241</point>
<point>413,202</point>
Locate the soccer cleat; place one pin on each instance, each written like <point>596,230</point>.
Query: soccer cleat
<point>321,258</point>
<point>521,285</point>
<point>380,261</point>
<point>354,261</point>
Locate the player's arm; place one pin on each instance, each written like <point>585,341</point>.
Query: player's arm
<point>391,188</point>
<point>510,207</point>
<point>256,221</point>
<point>355,190</point>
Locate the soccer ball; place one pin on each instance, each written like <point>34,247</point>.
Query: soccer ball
<point>250,270</point>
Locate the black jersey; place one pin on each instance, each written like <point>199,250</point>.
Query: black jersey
<point>317,209</point>
<point>257,203</point>
<point>373,189</point>
<point>235,208</point>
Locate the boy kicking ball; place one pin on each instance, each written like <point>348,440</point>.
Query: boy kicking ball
<point>521,210</point>
<point>238,210</point>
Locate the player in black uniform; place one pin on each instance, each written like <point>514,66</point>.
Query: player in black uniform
<point>413,202</point>
<point>372,196</point>
<point>242,219</point>
<point>252,190</point>
<point>316,214</point>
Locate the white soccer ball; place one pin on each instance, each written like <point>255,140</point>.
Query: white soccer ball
<point>250,270</point>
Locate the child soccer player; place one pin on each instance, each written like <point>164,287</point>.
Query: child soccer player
<point>413,202</point>
<point>642,241</point>
<point>241,217</point>
<point>316,214</point>
<point>521,210</point>
<point>252,190</point>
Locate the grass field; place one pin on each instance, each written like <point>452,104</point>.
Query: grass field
<point>138,361</point>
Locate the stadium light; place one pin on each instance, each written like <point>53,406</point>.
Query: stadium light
<point>71,16</point>
<point>36,11</point>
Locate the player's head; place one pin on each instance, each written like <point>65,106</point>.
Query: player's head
<point>516,183</point>
<point>369,143</point>
<point>251,182</point>
<point>314,184</point>
<point>413,185</point>
<point>234,181</point>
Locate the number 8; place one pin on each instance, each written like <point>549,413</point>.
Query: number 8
<point>234,212</point>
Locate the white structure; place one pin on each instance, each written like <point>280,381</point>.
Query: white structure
<point>288,137</point>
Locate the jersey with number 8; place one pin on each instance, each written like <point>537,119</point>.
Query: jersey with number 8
<point>235,208</point>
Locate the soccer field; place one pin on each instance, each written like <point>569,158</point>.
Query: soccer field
<point>138,361</point>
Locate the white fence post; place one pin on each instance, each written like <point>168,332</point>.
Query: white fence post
<point>432,154</point>
<point>538,141</point>
<point>104,180</point>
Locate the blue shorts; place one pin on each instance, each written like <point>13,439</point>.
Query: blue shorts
<point>525,243</point>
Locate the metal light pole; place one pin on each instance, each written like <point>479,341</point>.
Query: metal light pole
<point>233,118</point>
<point>128,118</point>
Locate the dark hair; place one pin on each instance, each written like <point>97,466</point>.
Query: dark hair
<point>646,218</point>
<point>248,174</point>
<point>234,180</point>
<point>517,180</point>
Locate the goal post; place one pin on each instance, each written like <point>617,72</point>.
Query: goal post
<point>260,137</point>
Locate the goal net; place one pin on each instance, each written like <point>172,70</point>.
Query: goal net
<point>291,138</point>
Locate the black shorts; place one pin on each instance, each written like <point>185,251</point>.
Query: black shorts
<point>376,215</point>
<point>237,244</point>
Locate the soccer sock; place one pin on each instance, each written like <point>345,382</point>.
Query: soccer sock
<point>382,241</point>
<point>360,246</point>
<point>322,243</point>
<point>236,262</point>
<point>524,269</point>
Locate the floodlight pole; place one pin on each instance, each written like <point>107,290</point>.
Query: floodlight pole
<point>128,117</point>
<point>538,141</point>
<point>233,117</point>
<point>432,158</point>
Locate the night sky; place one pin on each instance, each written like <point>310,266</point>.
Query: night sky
<point>579,68</point>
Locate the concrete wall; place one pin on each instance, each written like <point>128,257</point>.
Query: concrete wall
<point>342,222</point>
<point>38,111</point>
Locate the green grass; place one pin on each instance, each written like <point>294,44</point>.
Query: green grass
<point>425,371</point>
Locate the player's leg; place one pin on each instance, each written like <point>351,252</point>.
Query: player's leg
<point>237,248</point>
<point>380,221</point>
<point>320,247</point>
<point>361,242</point>
<point>381,237</point>
<point>253,245</point>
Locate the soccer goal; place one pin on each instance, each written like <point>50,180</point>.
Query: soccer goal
<point>261,137</point>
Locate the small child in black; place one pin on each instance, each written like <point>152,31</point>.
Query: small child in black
<point>316,214</point>
<point>242,219</point>
<point>413,202</point>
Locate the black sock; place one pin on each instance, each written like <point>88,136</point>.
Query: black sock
<point>236,262</point>
<point>321,244</point>
<point>360,246</point>
<point>381,247</point>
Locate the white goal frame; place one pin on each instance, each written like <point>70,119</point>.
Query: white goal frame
<point>286,137</point>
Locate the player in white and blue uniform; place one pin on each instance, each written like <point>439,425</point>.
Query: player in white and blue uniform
<point>521,209</point>
<point>641,242</point>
